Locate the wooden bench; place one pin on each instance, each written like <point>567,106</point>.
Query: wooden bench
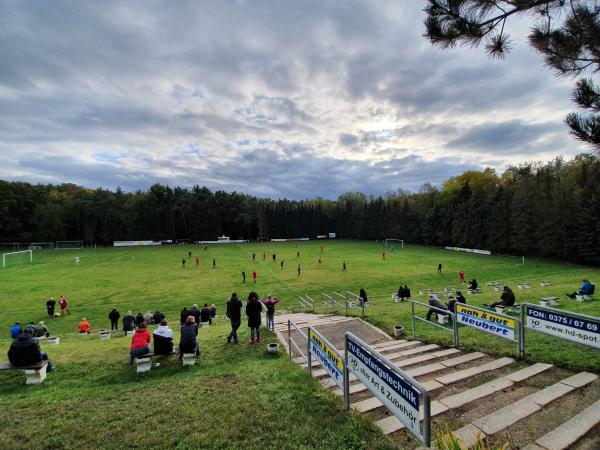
<point>36,373</point>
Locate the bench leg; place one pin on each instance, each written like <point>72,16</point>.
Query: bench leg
<point>36,376</point>
<point>189,359</point>
<point>143,364</point>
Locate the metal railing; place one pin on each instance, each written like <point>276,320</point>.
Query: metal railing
<point>446,312</point>
<point>292,325</point>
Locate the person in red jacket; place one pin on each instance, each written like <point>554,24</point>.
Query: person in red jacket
<point>64,305</point>
<point>84,326</point>
<point>254,276</point>
<point>140,344</point>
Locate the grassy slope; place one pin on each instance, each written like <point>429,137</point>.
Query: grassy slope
<point>239,394</point>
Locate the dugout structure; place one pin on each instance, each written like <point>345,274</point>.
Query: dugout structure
<point>16,258</point>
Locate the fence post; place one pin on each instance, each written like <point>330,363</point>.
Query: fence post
<point>455,329</point>
<point>308,355</point>
<point>346,297</point>
<point>522,332</point>
<point>362,302</point>
<point>426,419</point>
<point>346,377</point>
<point>412,318</point>
<point>290,338</point>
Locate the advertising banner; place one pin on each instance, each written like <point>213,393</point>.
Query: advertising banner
<point>328,356</point>
<point>487,321</point>
<point>583,330</point>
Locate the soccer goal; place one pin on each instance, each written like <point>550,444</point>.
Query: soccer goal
<point>389,242</point>
<point>17,258</point>
<point>68,245</point>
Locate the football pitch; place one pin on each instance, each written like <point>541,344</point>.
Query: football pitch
<point>236,395</point>
<point>149,278</point>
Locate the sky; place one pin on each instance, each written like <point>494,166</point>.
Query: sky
<point>295,99</point>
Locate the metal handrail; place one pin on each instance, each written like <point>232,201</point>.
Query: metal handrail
<point>446,312</point>
<point>291,341</point>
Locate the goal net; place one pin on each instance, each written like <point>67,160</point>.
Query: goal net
<point>67,245</point>
<point>394,242</point>
<point>17,258</point>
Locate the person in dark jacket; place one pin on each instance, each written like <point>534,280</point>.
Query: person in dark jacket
<point>139,319</point>
<point>183,315</point>
<point>453,301</point>
<point>205,314</point>
<point>406,292</point>
<point>128,322</point>
<point>473,285</point>
<point>50,304</point>
<point>363,296</point>
<point>157,317</point>
<point>41,330</point>
<point>188,342</point>
<point>25,351</point>
<point>195,313</point>
<point>506,299</point>
<point>114,318</point>
<point>163,339</point>
<point>234,313</point>
<point>213,311</point>
<point>253,310</point>
<point>437,303</point>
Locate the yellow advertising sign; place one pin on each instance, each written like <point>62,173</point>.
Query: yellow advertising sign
<point>485,321</point>
<point>329,353</point>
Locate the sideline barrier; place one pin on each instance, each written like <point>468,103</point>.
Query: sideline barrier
<point>491,322</point>
<point>397,390</point>
<point>449,313</point>
<point>328,356</point>
<point>291,341</point>
<point>570,326</point>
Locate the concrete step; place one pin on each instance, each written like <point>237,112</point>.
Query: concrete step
<point>391,424</point>
<point>511,414</point>
<point>569,432</point>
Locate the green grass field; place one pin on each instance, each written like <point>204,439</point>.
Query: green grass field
<point>237,396</point>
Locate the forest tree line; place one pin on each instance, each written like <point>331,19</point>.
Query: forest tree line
<point>549,210</point>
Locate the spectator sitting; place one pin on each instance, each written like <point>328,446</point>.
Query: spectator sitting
<point>148,318</point>
<point>506,299</point>
<point>41,330</point>
<point>84,326</point>
<point>139,319</point>
<point>406,293</point>
<point>31,328</point>
<point>205,314</point>
<point>25,351</point>
<point>400,294</point>
<point>195,312</point>
<point>435,302</point>
<point>128,322</point>
<point>188,342</point>
<point>16,330</point>
<point>472,285</point>
<point>586,288</point>
<point>163,339</point>
<point>140,344</point>
<point>157,317</point>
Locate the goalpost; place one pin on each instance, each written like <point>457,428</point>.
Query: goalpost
<point>24,256</point>
<point>401,241</point>
<point>41,245</point>
<point>68,245</point>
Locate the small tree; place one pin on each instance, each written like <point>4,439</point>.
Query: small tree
<point>566,32</point>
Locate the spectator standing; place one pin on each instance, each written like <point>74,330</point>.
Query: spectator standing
<point>234,313</point>
<point>157,317</point>
<point>243,277</point>
<point>64,305</point>
<point>50,305</point>
<point>213,312</point>
<point>363,297</point>
<point>270,304</point>
<point>140,343</point>
<point>253,310</point>
<point>139,319</point>
<point>114,316</point>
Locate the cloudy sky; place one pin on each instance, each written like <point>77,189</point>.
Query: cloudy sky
<point>275,98</point>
